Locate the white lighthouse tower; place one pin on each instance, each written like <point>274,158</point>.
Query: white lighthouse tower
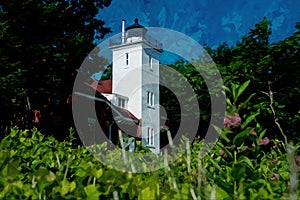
<point>135,79</point>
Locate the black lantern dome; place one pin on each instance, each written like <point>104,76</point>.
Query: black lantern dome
<point>135,30</point>
<point>135,25</point>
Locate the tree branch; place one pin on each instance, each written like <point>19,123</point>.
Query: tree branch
<point>289,148</point>
<point>270,94</point>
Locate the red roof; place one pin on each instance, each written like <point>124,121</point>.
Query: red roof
<point>103,86</point>
<point>126,113</point>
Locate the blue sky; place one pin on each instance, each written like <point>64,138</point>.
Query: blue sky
<point>209,22</point>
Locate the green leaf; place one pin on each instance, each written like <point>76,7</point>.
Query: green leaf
<point>244,159</point>
<point>225,150</point>
<point>228,101</point>
<point>147,193</point>
<point>223,133</point>
<point>241,89</point>
<point>50,177</point>
<point>239,138</point>
<point>242,105</point>
<point>81,172</point>
<point>238,172</point>
<point>221,194</point>
<point>92,192</point>
<point>72,186</point>
<point>85,165</point>
<point>99,173</point>
<point>248,120</point>
<point>234,91</point>
<point>67,187</point>
<point>261,134</point>
<point>13,132</point>
<point>215,164</point>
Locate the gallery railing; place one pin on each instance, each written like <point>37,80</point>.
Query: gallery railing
<point>137,38</point>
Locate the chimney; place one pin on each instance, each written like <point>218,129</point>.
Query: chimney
<point>123,31</point>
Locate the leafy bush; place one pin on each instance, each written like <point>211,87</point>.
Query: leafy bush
<point>35,167</point>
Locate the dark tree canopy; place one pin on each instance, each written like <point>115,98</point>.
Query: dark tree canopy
<point>278,64</point>
<point>42,45</point>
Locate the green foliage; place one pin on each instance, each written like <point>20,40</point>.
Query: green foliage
<point>262,63</point>
<point>42,45</point>
<point>257,63</point>
<point>35,166</point>
<point>240,166</point>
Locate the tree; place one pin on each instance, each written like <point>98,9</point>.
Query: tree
<point>249,55</point>
<point>191,88</point>
<point>276,64</point>
<point>42,45</point>
<point>285,68</point>
<point>222,55</point>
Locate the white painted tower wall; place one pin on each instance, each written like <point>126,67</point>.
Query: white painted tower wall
<point>135,73</point>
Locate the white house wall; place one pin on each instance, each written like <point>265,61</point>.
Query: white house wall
<point>127,79</point>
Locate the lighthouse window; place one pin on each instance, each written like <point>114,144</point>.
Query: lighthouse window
<point>122,102</point>
<point>150,99</point>
<point>150,136</point>
<point>127,59</point>
<point>150,63</point>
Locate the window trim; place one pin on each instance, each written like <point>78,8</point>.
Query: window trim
<point>150,63</point>
<point>127,59</point>
<point>122,102</point>
<point>150,136</point>
<point>150,99</point>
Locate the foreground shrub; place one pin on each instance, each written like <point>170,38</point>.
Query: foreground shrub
<point>33,166</point>
<point>243,164</point>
